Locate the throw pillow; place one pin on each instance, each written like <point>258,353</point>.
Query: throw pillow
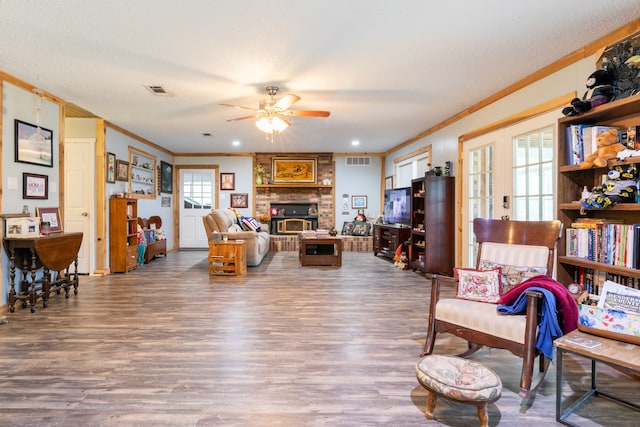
<point>478,285</point>
<point>512,275</point>
<point>250,224</point>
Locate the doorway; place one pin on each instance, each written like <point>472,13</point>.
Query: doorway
<point>79,199</point>
<point>509,174</point>
<point>197,196</point>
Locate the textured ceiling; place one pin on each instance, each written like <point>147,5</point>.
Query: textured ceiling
<point>386,70</point>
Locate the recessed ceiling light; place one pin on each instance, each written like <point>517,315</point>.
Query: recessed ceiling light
<point>355,142</point>
<point>235,143</point>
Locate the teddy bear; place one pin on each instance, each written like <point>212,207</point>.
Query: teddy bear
<point>620,187</point>
<point>608,148</point>
<point>599,91</point>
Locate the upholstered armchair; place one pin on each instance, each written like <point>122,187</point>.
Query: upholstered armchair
<point>520,249</point>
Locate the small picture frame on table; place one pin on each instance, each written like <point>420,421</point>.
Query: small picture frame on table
<point>52,216</point>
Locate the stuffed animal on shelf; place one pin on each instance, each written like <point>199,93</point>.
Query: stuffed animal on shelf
<point>360,216</point>
<point>619,188</point>
<point>599,91</point>
<point>608,148</point>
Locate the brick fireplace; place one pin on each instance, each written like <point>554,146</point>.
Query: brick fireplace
<point>291,194</point>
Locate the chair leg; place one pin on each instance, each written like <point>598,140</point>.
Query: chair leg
<point>429,343</point>
<point>431,405</point>
<point>482,414</point>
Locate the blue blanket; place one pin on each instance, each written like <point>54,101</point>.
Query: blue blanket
<point>549,328</point>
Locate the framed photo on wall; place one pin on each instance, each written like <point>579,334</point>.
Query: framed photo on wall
<point>358,202</point>
<point>166,177</point>
<point>227,181</point>
<point>35,186</point>
<point>122,170</point>
<point>34,144</point>
<point>239,200</point>
<point>111,167</point>
<point>388,183</point>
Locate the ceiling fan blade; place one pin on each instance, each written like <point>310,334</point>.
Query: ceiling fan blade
<point>286,101</point>
<point>308,113</point>
<point>242,118</point>
<point>238,106</point>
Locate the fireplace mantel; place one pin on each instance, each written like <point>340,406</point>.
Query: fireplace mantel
<point>267,187</point>
<point>293,186</point>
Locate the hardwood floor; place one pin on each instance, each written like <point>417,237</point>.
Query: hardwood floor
<point>284,345</point>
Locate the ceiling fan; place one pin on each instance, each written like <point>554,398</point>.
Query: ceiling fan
<point>272,114</point>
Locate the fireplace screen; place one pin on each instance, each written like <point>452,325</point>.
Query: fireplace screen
<point>294,225</point>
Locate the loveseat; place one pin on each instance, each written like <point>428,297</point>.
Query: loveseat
<point>225,221</point>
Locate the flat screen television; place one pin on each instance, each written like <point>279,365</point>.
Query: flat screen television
<point>397,206</point>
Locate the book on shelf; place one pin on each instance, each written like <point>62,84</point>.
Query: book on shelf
<point>608,243</point>
<point>581,141</point>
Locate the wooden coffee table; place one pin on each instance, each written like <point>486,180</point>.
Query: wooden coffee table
<point>320,251</point>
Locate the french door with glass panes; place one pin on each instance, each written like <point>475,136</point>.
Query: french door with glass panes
<point>196,200</point>
<point>509,173</point>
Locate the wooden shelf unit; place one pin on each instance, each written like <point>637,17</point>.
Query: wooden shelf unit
<point>142,174</point>
<point>572,179</point>
<point>123,235</point>
<point>433,224</point>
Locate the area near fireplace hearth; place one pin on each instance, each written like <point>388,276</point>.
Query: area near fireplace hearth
<point>291,203</point>
<point>319,193</point>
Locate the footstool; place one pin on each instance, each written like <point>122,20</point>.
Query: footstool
<point>460,380</point>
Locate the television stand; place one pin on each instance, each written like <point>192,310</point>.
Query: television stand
<point>387,238</point>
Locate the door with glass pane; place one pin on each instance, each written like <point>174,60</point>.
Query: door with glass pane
<point>196,200</point>
<point>508,173</point>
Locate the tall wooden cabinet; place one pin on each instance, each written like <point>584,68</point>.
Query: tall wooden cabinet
<point>433,222</point>
<point>571,180</point>
<point>123,236</point>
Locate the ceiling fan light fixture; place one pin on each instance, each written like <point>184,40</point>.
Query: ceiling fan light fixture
<point>272,124</point>
<point>264,125</point>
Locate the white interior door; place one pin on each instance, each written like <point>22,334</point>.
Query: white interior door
<point>509,173</point>
<point>196,200</point>
<point>79,201</point>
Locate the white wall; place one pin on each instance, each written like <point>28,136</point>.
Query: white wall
<point>18,103</point>
<point>356,181</point>
<point>445,141</point>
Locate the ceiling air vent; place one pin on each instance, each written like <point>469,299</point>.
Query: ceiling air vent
<point>158,90</point>
<point>357,161</point>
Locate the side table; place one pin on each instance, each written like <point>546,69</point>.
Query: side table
<point>227,257</point>
<point>320,251</point>
<point>610,352</point>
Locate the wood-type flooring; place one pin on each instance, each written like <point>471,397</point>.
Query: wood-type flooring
<point>285,345</point>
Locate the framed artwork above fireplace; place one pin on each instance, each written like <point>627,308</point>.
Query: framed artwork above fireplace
<point>286,170</point>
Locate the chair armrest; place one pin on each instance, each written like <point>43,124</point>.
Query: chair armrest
<point>436,285</point>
